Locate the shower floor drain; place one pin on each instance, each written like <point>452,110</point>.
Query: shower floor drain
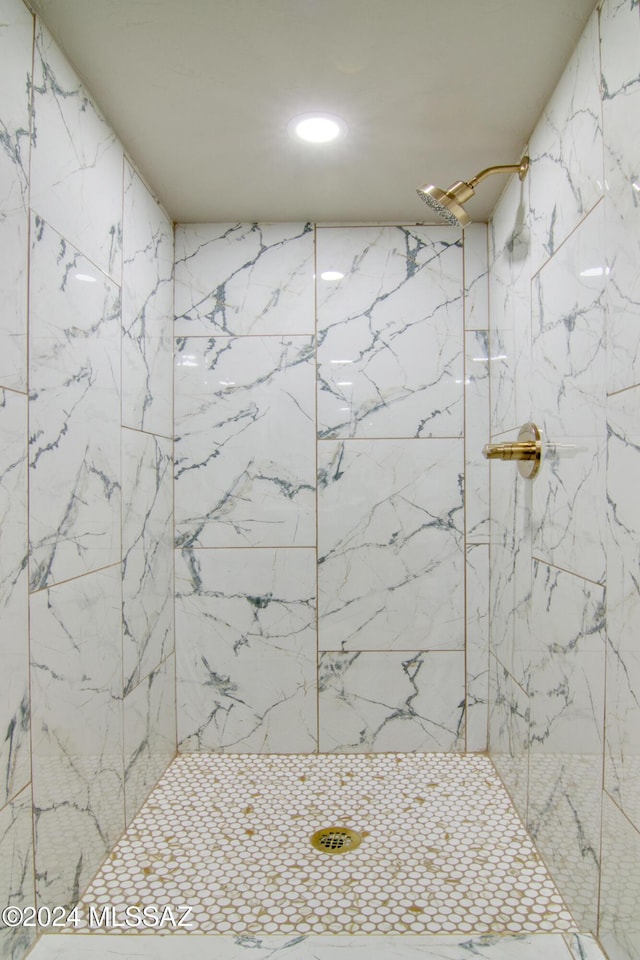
<point>335,840</point>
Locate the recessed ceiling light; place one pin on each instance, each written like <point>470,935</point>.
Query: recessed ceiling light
<point>317,127</point>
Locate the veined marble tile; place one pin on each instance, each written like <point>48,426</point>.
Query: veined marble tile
<point>16,872</point>
<point>510,296</point>
<point>565,677</point>
<point>622,764</point>
<point>74,426</point>
<point>76,688</point>
<point>245,442</point>
<point>149,734</point>
<point>569,357</point>
<point>147,549</point>
<point>566,174</point>
<point>566,688</point>
<point>510,565</point>
<point>565,796</point>
<point>248,614</point>
<point>619,929</point>
<point>390,350</point>
<point>244,278</point>
<point>16,54</point>
<point>620,41</point>
<point>89,947</point>
<point>509,733</point>
<point>14,603</point>
<point>390,545</point>
<point>390,700</point>
<point>76,162</point>
<point>477,433</point>
<point>476,277</point>
<point>583,947</point>
<point>477,646</point>
<point>147,310</point>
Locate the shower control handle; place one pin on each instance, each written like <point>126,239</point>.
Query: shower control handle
<point>527,450</point>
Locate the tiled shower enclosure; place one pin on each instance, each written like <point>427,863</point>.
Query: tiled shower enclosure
<point>323,377</point>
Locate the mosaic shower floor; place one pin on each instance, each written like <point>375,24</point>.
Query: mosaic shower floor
<point>224,842</point>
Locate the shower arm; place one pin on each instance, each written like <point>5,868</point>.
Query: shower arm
<point>519,168</point>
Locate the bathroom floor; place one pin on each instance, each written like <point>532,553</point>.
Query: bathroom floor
<point>223,841</point>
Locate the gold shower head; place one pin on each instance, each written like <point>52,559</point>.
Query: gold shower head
<point>449,203</point>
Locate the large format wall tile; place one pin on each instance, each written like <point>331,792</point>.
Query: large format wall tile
<point>246,660</point>
<point>476,277</point>
<point>566,689</point>
<point>391,556</point>
<point>15,767</point>
<point>76,166</point>
<point>147,550</point>
<point>76,683</point>
<point>74,458</point>
<point>569,357</point>
<point>245,442</point>
<point>16,871</point>
<point>620,46</point>
<point>510,297</point>
<point>244,278</point>
<point>390,351</point>
<point>16,54</point>
<point>622,764</point>
<point>389,701</point>
<point>509,709</point>
<point>147,310</point>
<point>149,734</point>
<point>477,431</point>
<point>619,930</point>
<point>566,150</point>
<point>477,646</point>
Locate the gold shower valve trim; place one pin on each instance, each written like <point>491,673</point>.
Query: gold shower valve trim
<point>527,450</point>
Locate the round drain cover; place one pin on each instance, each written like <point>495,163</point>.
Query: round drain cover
<point>335,840</point>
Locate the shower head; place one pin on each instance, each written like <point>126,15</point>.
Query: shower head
<point>449,203</point>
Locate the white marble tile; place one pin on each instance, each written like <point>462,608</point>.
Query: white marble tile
<point>622,763</point>
<point>249,615</point>
<point>477,646</point>
<point>76,688</point>
<point>74,457</point>
<point>566,687</point>
<point>477,433</point>
<point>390,545</point>
<point>566,174</point>
<point>619,929</point>
<point>565,796</point>
<point>149,734</point>
<point>76,164</point>
<point>245,442</point>
<point>88,947</point>
<point>569,357</point>
<point>244,278</point>
<point>15,765</point>
<point>390,700</point>
<point>510,298</point>
<point>565,676</point>
<point>390,350</point>
<point>147,551</point>
<point>16,54</point>
<point>476,277</point>
<point>16,872</point>
<point>510,564</point>
<point>147,310</point>
<point>620,41</point>
<point>583,947</point>
<point>509,710</point>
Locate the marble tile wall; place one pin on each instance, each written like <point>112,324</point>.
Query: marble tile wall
<point>326,506</point>
<point>564,269</point>
<point>86,555</point>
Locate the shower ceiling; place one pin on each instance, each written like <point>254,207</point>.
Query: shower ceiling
<point>201,92</point>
